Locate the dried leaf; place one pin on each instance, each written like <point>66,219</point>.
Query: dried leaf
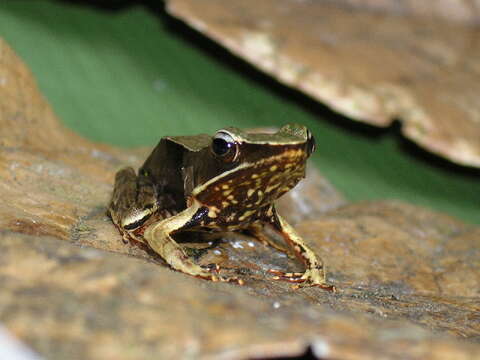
<point>370,66</point>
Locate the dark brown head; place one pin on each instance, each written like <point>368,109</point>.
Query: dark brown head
<point>251,170</point>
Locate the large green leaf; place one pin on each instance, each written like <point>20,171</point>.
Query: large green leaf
<point>128,78</point>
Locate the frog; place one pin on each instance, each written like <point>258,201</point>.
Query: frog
<point>227,182</point>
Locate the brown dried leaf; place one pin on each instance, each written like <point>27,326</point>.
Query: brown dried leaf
<point>407,278</point>
<point>370,66</point>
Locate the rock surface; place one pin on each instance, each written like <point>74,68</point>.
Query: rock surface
<point>364,60</point>
<point>462,11</point>
<point>407,278</point>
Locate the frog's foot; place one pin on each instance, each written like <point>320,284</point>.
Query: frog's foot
<point>309,278</point>
<point>179,261</point>
<point>213,275</point>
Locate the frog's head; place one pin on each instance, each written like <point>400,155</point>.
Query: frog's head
<point>254,169</point>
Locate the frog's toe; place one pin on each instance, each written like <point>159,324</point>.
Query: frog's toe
<point>308,278</point>
<point>222,278</point>
<point>232,279</point>
<point>314,278</point>
<point>285,274</point>
<point>296,277</point>
<point>323,286</point>
<point>213,275</point>
<point>211,267</point>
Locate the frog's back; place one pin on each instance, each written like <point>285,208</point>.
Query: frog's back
<point>165,169</point>
<point>193,143</point>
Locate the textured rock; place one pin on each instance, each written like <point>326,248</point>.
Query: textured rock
<point>373,66</point>
<point>462,11</point>
<point>407,278</point>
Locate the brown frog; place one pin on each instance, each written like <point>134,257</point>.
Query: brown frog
<point>224,183</point>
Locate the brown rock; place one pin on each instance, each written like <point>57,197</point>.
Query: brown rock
<point>373,66</point>
<point>407,278</point>
<point>462,11</point>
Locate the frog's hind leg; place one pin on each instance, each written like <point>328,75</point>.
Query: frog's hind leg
<point>158,236</point>
<point>133,201</point>
<point>124,191</point>
<point>314,274</point>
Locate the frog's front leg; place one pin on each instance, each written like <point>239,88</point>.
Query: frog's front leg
<point>159,238</point>
<point>314,274</point>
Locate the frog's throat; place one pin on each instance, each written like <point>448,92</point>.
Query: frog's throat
<point>293,155</point>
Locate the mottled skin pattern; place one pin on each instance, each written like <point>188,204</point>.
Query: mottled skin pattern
<point>227,182</point>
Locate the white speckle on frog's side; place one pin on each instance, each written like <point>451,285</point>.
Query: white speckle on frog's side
<point>217,252</point>
<point>270,211</point>
<point>246,214</point>
<point>272,187</point>
<point>231,216</point>
<point>251,244</point>
<point>212,212</point>
<point>276,305</point>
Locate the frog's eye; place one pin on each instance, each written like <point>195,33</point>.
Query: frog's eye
<point>310,143</point>
<point>224,146</point>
